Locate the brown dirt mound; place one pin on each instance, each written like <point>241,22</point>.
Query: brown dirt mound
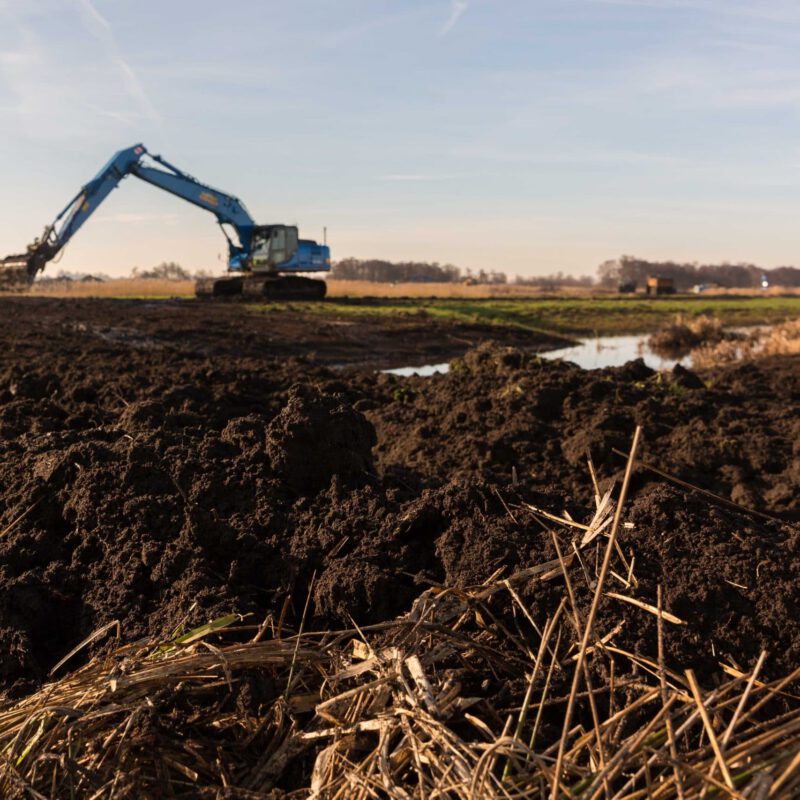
<point>733,432</point>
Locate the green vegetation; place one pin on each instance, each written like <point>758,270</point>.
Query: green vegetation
<point>570,316</point>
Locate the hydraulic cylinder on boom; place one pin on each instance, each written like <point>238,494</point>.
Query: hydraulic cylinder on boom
<point>263,260</point>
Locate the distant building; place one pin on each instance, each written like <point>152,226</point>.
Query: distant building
<point>658,285</point>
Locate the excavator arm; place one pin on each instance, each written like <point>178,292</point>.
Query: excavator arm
<point>227,209</point>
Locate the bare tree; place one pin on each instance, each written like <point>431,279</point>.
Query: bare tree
<point>167,270</point>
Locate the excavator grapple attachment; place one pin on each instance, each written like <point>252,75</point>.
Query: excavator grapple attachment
<point>15,273</point>
<point>260,287</point>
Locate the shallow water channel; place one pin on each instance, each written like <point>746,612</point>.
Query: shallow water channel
<point>601,351</point>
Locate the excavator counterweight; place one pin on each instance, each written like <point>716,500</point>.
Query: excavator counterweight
<point>263,259</point>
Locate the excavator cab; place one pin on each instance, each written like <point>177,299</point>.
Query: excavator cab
<point>274,251</point>
<point>273,246</point>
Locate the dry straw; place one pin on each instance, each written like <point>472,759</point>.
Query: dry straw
<point>466,697</point>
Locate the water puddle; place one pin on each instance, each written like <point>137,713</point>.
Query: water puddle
<point>602,351</point>
<point>424,372</point>
<point>614,351</point>
<point>126,336</point>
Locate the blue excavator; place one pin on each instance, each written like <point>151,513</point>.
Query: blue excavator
<point>263,260</point>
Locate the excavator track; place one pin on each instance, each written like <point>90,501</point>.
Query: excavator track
<point>259,287</point>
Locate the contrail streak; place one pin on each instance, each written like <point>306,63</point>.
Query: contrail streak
<point>457,9</point>
<point>103,32</point>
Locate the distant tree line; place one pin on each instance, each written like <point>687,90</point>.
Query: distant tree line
<point>373,269</point>
<point>610,274</point>
<point>167,270</point>
<point>65,276</point>
<point>731,276</point>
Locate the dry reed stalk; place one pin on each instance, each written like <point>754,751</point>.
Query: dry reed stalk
<point>744,698</point>
<point>578,622</point>
<point>691,487</point>
<point>662,615</point>
<point>592,614</point>
<point>775,340</point>
<point>712,736</point>
<point>673,750</point>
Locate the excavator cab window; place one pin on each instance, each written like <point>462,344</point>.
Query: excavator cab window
<point>283,245</point>
<point>260,251</point>
<point>275,246</point>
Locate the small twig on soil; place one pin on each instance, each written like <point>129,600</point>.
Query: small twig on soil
<point>743,700</point>
<point>92,637</point>
<point>712,737</point>
<point>595,484</point>
<point>662,670</point>
<point>299,636</point>
<point>13,524</point>
<point>686,485</point>
<point>647,607</point>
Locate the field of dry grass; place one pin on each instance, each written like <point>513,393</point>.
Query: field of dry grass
<point>142,287</point>
<point>121,287</point>
<point>444,290</point>
<point>510,291</point>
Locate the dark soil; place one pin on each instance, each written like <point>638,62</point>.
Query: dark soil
<point>164,464</point>
<point>215,329</point>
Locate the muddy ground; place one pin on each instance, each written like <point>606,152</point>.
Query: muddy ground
<point>165,463</point>
<point>216,330</point>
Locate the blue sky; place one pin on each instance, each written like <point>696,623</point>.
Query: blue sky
<point>530,136</point>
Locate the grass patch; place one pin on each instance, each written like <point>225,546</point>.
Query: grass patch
<point>565,315</point>
<point>571,316</point>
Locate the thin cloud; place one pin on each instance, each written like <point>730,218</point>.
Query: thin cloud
<point>21,68</point>
<point>457,9</point>
<point>42,86</point>
<point>413,178</point>
<point>780,11</point>
<point>342,36</point>
<point>101,29</point>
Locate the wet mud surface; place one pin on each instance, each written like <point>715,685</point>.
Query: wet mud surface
<point>236,328</point>
<point>161,466</point>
